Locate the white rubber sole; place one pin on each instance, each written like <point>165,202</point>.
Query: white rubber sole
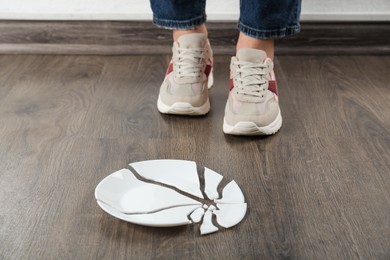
<point>250,128</point>
<point>181,108</point>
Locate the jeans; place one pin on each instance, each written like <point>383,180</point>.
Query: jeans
<point>261,19</point>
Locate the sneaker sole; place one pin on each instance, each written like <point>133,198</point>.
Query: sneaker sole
<point>250,128</point>
<point>181,108</point>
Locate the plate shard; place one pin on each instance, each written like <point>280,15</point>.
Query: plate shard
<point>212,180</point>
<point>229,215</point>
<point>207,226</point>
<point>125,193</point>
<point>177,173</point>
<point>231,194</point>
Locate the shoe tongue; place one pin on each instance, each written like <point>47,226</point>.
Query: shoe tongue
<point>251,55</point>
<point>193,40</point>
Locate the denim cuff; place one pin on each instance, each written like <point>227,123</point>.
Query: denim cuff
<point>268,34</point>
<point>180,24</point>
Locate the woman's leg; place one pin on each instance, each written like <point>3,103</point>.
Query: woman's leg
<point>181,16</point>
<point>253,104</point>
<point>263,21</point>
<point>267,45</point>
<point>185,87</point>
<point>269,19</point>
<point>200,29</point>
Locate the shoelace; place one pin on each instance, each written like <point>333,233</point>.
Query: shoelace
<point>251,78</point>
<point>190,62</point>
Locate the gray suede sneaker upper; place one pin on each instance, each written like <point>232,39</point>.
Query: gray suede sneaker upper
<point>250,100</point>
<point>187,76</point>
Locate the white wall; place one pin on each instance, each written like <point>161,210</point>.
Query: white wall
<point>216,10</point>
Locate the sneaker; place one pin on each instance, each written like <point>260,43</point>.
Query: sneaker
<point>188,77</point>
<point>252,107</point>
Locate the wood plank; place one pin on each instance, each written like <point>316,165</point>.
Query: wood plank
<point>123,38</point>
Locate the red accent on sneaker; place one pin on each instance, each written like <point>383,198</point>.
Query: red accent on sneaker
<point>208,70</point>
<point>273,86</point>
<point>231,85</point>
<point>170,69</point>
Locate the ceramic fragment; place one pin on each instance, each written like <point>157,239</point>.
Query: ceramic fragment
<point>177,173</point>
<point>212,208</point>
<point>229,215</point>
<point>207,226</point>
<point>212,180</point>
<point>231,194</point>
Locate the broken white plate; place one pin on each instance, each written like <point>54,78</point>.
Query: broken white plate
<point>153,199</point>
<point>178,173</point>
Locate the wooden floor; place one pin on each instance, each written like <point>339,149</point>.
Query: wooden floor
<point>319,189</point>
